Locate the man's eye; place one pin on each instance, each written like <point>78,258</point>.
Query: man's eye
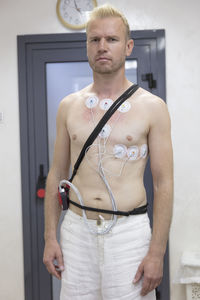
<point>111,39</point>
<point>94,40</point>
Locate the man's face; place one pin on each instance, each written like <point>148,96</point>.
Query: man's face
<point>107,46</point>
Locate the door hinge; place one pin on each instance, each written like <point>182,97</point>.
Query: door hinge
<point>151,82</point>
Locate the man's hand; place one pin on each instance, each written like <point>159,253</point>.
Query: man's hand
<point>52,251</point>
<point>151,268</point>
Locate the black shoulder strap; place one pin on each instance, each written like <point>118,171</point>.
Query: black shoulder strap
<point>101,124</point>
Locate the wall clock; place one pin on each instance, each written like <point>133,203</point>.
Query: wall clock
<point>73,13</point>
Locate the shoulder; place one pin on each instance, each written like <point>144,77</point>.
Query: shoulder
<point>152,108</point>
<point>70,102</point>
<point>148,99</point>
<point>153,105</point>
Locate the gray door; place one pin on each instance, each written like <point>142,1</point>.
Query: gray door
<point>50,67</point>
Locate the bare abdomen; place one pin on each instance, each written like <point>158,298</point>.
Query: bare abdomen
<point>128,191</point>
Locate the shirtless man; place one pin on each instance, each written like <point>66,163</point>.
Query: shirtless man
<point>127,261</point>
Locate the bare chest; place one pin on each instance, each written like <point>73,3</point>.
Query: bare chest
<point>129,128</point>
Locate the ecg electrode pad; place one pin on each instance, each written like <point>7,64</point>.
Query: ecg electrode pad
<point>91,102</point>
<point>143,150</point>
<point>105,131</point>
<point>133,152</point>
<point>120,151</point>
<point>105,104</point>
<point>124,107</point>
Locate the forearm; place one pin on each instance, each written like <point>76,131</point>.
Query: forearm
<point>52,207</point>
<point>162,214</point>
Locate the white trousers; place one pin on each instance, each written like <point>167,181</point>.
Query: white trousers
<point>102,267</point>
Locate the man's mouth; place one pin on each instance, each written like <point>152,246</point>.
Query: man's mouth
<point>102,58</point>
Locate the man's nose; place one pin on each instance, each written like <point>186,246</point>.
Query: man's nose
<point>102,45</point>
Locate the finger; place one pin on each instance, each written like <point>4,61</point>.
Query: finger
<point>56,272</point>
<point>60,262</point>
<point>156,284</point>
<point>50,266</point>
<point>59,269</point>
<point>139,273</point>
<point>52,269</point>
<point>48,261</point>
<point>149,285</point>
<point>146,286</point>
<point>152,287</point>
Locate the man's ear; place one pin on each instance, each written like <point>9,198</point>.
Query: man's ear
<point>129,47</point>
<point>87,48</point>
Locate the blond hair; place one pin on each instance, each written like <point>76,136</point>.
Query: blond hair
<point>106,11</point>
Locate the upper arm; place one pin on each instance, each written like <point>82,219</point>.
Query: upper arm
<point>160,145</point>
<point>61,157</point>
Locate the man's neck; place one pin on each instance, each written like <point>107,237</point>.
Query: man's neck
<point>110,85</point>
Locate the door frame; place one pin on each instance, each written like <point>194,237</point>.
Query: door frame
<point>28,46</point>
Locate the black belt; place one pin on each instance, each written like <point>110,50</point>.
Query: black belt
<point>135,211</point>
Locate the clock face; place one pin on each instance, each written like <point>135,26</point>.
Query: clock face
<point>74,13</point>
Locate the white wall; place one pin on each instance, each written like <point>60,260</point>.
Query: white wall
<point>180,19</point>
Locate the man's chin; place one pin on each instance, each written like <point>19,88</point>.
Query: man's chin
<point>103,70</point>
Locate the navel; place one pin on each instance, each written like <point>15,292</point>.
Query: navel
<point>97,198</point>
